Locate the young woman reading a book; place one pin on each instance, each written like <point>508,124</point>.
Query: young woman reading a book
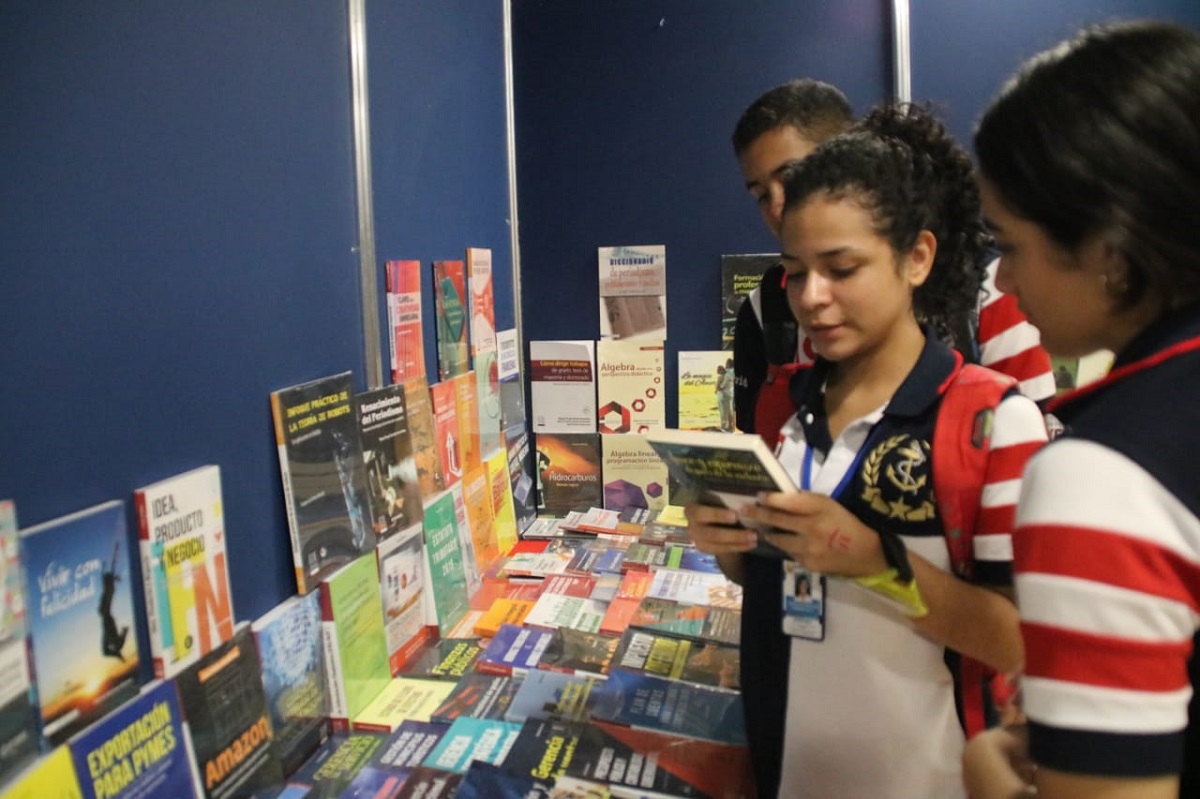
<point>1090,164</point>
<point>882,245</point>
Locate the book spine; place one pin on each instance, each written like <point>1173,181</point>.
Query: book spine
<point>339,717</point>
<point>152,577</point>
<point>289,497</point>
<point>368,726</point>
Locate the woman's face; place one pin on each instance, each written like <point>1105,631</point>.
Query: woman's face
<point>1062,292</point>
<point>845,284</point>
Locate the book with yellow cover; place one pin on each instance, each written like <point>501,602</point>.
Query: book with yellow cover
<point>402,699</point>
<point>52,777</point>
<point>504,610</point>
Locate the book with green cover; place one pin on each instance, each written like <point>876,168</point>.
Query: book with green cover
<point>444,560</point>
<point>355,640</point>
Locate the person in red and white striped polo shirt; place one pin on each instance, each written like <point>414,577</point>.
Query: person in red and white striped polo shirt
<point>1090,163</point>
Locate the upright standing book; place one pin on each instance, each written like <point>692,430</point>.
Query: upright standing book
<point>630,392</point>
<point>444,399</point>
<point>568,467</point>
<point>477,494</point>
<point>444,559</point>
<point>634,475</point>
<point>740,275</point>
<point>228,720</point>
<point>484,346</point>
<point>404,315</point>
<point>324,478</point>
<point>139,750</point>
<point>423,432</point>
<point>51,777</point>
<point>512,390</point>
<point>405,594</point>
<point>562,387</point>
<point>466,400</point>
<point>288,639</point>
<point>450,293</point>
<point>85,654</point>
<point>633,292</point>
<point>181,529</point>
<point>700,373</point>
<point>354,639</point>
<point>18,729</point>
<point>521,465</point>
<point>503,511</point>
<point>393,485</point>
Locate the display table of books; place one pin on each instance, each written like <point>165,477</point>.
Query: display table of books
<point>575,663</point>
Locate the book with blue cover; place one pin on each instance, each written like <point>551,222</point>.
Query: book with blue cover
<point>669,706</point>
<point>514,650</point>
<point>471,739</point>
<point>394,761</point>
<point>336,764</point>
<point>138,750</point>
<point>480,696</point>
<point>85,653</point>
<point>289,648</point>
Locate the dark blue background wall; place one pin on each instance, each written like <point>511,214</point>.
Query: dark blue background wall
<point>624,115</point>
<point>963,51</point>
<point>179,227</point>
<point>179,232</point>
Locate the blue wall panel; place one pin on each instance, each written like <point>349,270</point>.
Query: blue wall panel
<point>624,112</point>
<point>177,242</point>
<point>438,142</point>
<point>963,51</point>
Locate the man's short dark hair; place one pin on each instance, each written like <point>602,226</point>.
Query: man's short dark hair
<point>817,109</point>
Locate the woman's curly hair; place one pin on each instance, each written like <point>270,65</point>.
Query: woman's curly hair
<point>905,169</point>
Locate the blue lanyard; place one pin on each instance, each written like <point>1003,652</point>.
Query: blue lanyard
<point>806,464</point>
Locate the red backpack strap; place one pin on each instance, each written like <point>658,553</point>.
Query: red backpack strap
<point>961,437</point>
<point>960,452</point>
<point>775,406</point>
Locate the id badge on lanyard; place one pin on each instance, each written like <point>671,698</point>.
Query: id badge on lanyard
<point>803,591</point>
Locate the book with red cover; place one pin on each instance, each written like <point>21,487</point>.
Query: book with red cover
<point>445,426</point>
<point>404,320</point>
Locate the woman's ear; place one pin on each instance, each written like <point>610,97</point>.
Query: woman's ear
<point>920,258</point>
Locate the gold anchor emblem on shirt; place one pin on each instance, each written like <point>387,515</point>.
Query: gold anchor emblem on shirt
<point>906,471</point>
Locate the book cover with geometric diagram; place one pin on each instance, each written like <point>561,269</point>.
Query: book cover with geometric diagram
<point>355,639</point>
<point>402,582</point>
<point>450,294</point>
<point>635,477</point>
<point>421,429</point>
<point>228,721</point>
<point>444,559</point>
<point>444,400</point>
<point>503,511</point>
<point>630,393</point>
<point>289,643</point>
<point>405,320</point>
<point>81,622</point>
<point>700,373</point>
<point>181,532</point>
<point>18,726</point>
<point>139,750</point>
<point>740,275</point>
<point>324,477</point>
<point>393,484</point>
<point>633,292</point>
<point>568,469</point>
<point>562,386</point>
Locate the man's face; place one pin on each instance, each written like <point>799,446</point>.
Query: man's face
<point>761,163</point>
